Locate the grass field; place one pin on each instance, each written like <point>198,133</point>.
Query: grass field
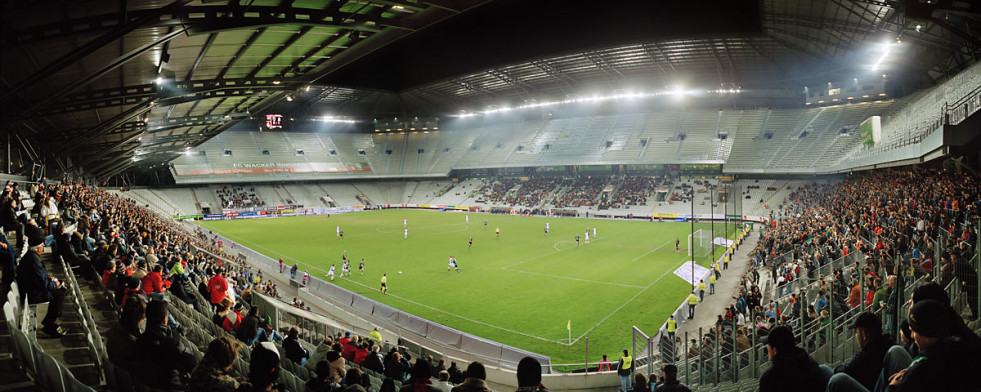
<point>520,289</point>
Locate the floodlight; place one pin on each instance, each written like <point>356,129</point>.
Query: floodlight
<point>159,80</point>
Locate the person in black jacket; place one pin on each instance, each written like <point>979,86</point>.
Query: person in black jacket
<point>670,383</point>
<point>8,220</point>
<point>294,351</point>
<point>162,362</point>
<point>38,286</point>
<point>865,366</point>
<point>792,369</point>
<point>374,360</point>
<point>946,362</point>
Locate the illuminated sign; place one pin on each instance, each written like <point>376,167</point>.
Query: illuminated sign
<point>274,121</point>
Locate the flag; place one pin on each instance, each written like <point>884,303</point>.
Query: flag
<point>569,325</point>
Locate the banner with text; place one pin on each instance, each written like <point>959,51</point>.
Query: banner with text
<point>685,272</point>
<point>271,168</point>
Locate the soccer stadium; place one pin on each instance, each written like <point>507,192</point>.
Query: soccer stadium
<point>490,195</point>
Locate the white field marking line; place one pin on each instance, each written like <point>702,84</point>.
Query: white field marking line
<point>408,300</point>
<point>669,271</point>
<point>651,251</point>
<point>456,315</point>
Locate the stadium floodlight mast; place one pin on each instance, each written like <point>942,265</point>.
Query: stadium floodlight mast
<point>690,242</point>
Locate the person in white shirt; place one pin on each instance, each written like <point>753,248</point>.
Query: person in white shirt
<point>443,384</point>
<point>330,274</point>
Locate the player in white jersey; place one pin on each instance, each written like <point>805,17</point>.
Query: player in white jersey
<point>346,268</point>
<point>405,223</point>
<point>330,273</point>
<point>338,231</point>
<point>468,219</point>
<point>406,235</point>
<point>587,237</point>
<point>594,232</point>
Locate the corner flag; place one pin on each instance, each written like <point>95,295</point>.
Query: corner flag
<point>568,326</point>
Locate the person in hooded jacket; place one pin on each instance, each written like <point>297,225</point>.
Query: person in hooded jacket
<point>792,369</point>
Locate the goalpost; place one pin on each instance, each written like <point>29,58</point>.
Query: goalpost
<point>700,242</point>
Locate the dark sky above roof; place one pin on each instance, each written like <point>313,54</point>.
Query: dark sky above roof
<point>509,31</point>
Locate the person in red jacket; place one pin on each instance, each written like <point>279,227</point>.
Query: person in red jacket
<point>218,287</point>
<point>361,353</point>
<point>232,318</point>
<point>153,283</point>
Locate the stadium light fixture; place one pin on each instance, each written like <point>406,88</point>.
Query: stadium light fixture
<point>160,80</point>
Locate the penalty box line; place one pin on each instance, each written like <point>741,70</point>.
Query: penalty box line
<point>669,271</point>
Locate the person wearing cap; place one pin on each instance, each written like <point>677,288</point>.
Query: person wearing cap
<point>530,375</point>
<point>866,364</point>
<point>669,380</point>
<point>38,286</point>
<point>945,362</point>
<point>792,369</point>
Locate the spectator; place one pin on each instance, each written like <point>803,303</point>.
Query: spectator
<point>945,362</point>
<point>212,375</point>
<point>530,375</point>
<point>792,368</point>
<point>248,329</point>
<point>640,383</point>
<point>121,338</point>
<point>420,381</point>
<point>218,288</point>
<point>267,333</point>
<point>443,384</point>
<point>319,353</point>
<point>152,283</point>
<point>322,381</point>
<point>373,359</point>
<point>475,381</point>
<point>38,286</point>
<point>669,380</point>
<point>294,351</point>
<point>865,365</point>
<point>264,367</point>
<point>162,362</point>
<point>456,375</point>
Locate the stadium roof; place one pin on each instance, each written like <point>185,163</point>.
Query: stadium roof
<point>102,86</point>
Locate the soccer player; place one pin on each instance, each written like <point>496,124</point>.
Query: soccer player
<point>384,288</point>
<point>577,239</point>
<point>468,219</point>
<point>485,224</point>
<point>346,268</point>
<point>338,229</point>
<point>361,267</point>
<point>470,243</point>
<point>344,255</point>
<point>587,237</point>
<point>546,229</point>
<point>594,232</point>
<point>330,273</point>
<point>498,231</point>
<point>405,223</point>
<point>342,234</point>
<point>677,244</point>
<point>406,235</point>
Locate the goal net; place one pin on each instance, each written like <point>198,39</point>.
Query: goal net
<point>700,242</point>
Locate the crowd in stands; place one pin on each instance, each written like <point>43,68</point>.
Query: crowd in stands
<point>912,225</point>
<point>532,192</point>
<point>238,197</point>
<point>632,191</point>
<point>579,192</point>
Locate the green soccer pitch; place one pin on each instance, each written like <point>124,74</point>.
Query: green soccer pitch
<point>521,289</point>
